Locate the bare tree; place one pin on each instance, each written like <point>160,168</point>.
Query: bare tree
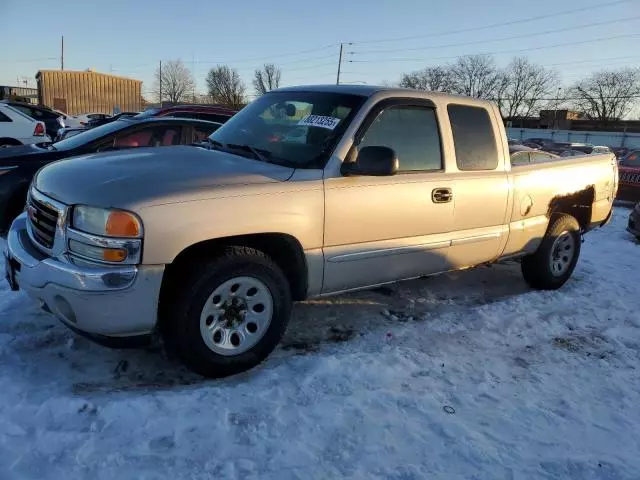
<point>607,95</point>
<point>266,79</point>
<point>225,86</point>
<point>526,86</point>
<point>476,76</point>
<point>434,79</point>
<point>177,82</point>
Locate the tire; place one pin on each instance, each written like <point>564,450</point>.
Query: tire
<point>552,264</point>
<point>214,336</point>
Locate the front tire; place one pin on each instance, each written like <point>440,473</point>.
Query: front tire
<point>229,312</point>
<point>552,264</point>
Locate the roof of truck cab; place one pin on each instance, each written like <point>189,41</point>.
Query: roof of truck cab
<point>368,90</point>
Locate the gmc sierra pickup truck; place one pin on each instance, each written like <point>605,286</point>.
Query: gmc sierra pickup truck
<point>307,191</point>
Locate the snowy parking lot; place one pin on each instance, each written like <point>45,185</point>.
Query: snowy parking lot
<point>465,375</point>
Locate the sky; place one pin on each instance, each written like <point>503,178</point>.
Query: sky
<point>383,39</point>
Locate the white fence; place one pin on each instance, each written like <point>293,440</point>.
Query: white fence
<point>611,139</point>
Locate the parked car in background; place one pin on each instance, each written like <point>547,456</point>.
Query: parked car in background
<point>101,121</point>
<point>633,227</point>
<point>52,120</point>
<point>631,159</point>
<point>382,185</point>
<point>521,155</point>
<point>542,142</point>
<point>629,189</point>
<point>85,118</point>
<point>568,153</point>
<point>19,164</point>
<point>68,132</point>
<point>598,149</point>
<point>532,145</point>
<point>210,113</point>
<point>620,151</point>
<point>17,128</point>
<point>69,120</point>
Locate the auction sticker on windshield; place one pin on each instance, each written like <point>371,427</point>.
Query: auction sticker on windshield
<point>319,121</point>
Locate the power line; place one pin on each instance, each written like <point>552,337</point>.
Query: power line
<point>512,37</point>
<point>594,60</point>
<point>494,25</point>
<point>499,52</point>
<point>271,57</point>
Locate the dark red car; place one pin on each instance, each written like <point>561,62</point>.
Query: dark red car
<point>629,188</point>
<point>211,113</point>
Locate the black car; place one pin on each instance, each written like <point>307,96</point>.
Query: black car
<point>96,122</point>
<point>18,165</point>
<point>52,120</point>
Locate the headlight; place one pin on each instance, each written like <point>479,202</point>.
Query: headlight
<point>106,222</point>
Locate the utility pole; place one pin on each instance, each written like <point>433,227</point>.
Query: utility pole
<point>555,112</point>
<point>340,61</point>
<point>339,65</point>
<point>62,53</point>
<point>160,81</point>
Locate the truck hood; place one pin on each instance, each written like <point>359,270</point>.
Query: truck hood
<point>148,176</point>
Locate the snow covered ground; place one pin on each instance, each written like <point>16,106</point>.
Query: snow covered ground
<point>467,375</point>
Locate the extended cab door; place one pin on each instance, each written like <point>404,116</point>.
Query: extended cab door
<point>381,229</point>
<point>481,186</point>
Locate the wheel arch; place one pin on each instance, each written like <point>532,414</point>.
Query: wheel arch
<point>284,249</point>
<point>577,204</point>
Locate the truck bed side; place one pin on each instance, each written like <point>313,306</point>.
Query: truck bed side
<point>582,186</point>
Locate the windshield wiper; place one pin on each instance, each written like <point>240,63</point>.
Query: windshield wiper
<point>215,144</point>
<point>253,151</point>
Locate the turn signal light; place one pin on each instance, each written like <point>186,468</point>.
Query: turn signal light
<point>122,224</point>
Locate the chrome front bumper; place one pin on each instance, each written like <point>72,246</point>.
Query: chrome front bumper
<point>118,301</point>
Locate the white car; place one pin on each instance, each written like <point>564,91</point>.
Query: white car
<point>16,128</point>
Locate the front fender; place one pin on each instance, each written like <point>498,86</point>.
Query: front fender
<point>171,228</point>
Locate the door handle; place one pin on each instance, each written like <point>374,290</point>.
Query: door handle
<point>441,195</point>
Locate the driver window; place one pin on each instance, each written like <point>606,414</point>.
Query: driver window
<point>412,132</point>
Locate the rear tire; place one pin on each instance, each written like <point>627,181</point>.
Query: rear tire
<point>552,264</point>
<point>228,313</point>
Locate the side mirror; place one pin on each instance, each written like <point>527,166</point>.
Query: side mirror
<point>375,161</point>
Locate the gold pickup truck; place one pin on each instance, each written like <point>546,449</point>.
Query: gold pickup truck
<point>307,191</point>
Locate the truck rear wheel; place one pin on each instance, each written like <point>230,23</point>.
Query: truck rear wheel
<point>556,258</point>
<point>230,312</point>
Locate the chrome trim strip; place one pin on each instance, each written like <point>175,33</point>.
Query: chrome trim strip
<point>474,239</point>
<point>133,246</point>
<point>350,257</point>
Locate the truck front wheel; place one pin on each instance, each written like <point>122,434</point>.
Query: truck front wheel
<point>554,261</point>
<point>229,312</point>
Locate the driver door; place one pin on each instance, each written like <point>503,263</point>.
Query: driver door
<point>382,229</point>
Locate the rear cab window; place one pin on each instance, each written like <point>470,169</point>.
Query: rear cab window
<point>474,138</point>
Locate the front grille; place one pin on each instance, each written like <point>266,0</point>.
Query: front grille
<point>43,220</point>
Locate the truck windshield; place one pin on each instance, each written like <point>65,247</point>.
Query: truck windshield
<point>297,129</point>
